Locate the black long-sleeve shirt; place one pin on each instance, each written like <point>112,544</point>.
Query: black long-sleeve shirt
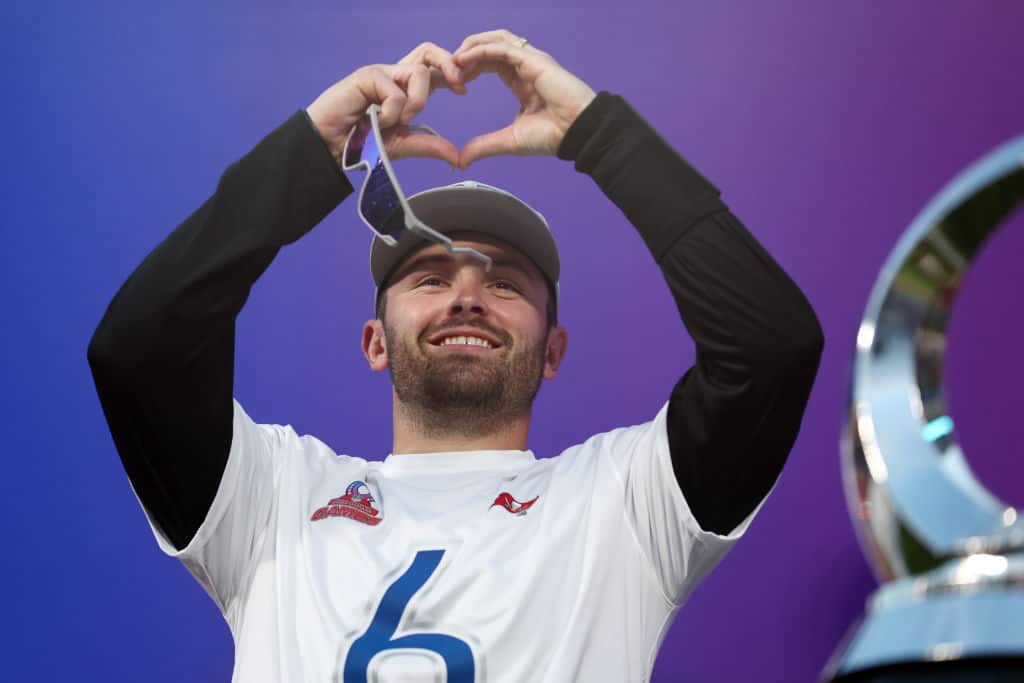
<point>162,356</point>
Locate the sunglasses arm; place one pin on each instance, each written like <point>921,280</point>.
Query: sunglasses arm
<point>426,232</point>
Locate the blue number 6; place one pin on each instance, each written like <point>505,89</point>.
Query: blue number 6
<point>378,637</point>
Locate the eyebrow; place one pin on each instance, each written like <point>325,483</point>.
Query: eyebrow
<point>430,260</point>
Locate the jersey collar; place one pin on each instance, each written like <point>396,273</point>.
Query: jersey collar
<point>464,461</point>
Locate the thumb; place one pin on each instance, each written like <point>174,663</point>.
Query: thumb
<point>401,143</point>
<point>488,145</point>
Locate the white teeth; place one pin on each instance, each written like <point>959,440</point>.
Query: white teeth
<point>471,341</point>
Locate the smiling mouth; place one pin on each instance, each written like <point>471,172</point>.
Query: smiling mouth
<point>464,342</point>
<point>465,338</point>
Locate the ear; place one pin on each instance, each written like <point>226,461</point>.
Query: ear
<point>375,345</point>
<point>558,344</point>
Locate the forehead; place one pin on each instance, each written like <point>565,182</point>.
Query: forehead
<point>504,256</point>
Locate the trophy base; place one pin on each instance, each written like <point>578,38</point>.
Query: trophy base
<point>981,670</point>
<point>955,623</point>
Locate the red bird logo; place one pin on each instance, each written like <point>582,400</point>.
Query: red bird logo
<point>506,501</point>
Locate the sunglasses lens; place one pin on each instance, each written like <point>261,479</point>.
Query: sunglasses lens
<point>380,206</point>
<point>354,146</point>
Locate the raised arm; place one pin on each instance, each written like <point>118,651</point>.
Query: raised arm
<point>162,356</point>
<point>734,416</point>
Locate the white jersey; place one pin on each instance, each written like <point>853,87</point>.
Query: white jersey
<point>460,567</point>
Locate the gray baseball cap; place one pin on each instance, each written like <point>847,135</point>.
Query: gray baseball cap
<point>471,206</point>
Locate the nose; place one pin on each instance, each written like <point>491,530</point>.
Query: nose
<point>467,297</point>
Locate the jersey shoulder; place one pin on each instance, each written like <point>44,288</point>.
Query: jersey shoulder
<point>616,443</point>
<point>287,446</point>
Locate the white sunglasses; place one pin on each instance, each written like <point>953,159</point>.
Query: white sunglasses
<point>382,204</point>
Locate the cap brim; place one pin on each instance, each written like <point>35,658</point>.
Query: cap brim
<point>456,209</point>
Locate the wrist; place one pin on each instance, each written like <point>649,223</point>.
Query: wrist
<point>584,125</point>
<point>331,131</point>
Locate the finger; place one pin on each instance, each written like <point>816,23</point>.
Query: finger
<point>515,57</point>
<point>404,144</point>
<point>438,79</point>
<point>433,55</point>
<point>516,68</point>
<point>416,81</point>
<point>498,36</point>
<point>488,145</point>
<point>472,70</point>
<point>437,57</point>
<point>379,87</point>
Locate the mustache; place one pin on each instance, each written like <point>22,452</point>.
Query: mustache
<point>503,337</point>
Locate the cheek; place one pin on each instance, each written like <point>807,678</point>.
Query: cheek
<point>529,327</point>
<point>411,322</point>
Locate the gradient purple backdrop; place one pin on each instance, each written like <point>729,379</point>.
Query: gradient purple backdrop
<point>828,127</point>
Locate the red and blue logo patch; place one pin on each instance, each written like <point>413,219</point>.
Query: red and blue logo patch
<point>355,504</point>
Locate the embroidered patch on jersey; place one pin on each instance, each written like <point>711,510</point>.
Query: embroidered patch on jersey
<point>354,504</point>
<point>506,501</point>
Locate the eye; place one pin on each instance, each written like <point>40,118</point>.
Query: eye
<point>431,281</point>
<point>505,284</point>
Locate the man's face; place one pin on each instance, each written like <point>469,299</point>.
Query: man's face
<point>467,348</point>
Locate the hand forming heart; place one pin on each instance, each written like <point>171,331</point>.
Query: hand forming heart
<point>550,99</point>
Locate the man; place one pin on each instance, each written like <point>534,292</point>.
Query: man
<point>461,555</point>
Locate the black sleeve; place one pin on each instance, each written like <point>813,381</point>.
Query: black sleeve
<point>733,417</point>
<point>162,356</point>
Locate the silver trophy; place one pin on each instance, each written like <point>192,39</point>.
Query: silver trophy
<point>949,554</point>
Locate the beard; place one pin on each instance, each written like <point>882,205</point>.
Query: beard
<point>464,394</point>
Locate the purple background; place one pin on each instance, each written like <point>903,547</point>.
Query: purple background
<point>827,125</point>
